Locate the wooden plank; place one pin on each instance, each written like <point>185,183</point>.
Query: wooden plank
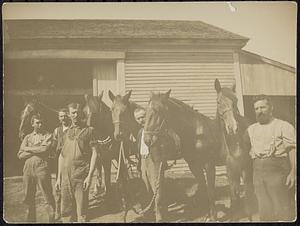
<point>63,54</point>
<point>121,76</point>
<point>238,83</point>
<point>50,92</point>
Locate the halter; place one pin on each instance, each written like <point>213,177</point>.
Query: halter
<point>158,131</point>
<point>221,115</point>
<point>127,125</point>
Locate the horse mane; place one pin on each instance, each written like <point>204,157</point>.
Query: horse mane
<point>184,108</point>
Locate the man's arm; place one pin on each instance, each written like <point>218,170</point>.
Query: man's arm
<point>291,178</point>
<point>44,147</point>
<point>58,179</point>
<point>23,154</point>
<point>88,179</point>
<point>289,141</point>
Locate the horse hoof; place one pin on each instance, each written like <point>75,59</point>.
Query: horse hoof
<point>208,218</point>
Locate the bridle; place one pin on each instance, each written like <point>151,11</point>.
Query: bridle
<point>221,114</point>
<point>157,131</point>
<point>127,125</point>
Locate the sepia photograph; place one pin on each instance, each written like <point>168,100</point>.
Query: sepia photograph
<point>149,112</point>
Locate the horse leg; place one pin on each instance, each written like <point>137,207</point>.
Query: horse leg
<point>247,175</point>
<point>107,175</point>
<point>211,179</point>
<point>234,184</point>
<point>98,178</point>
<point>197,171</point>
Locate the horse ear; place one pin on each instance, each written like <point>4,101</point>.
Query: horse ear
<point>233,87</point>
<point>167,94</point>
<point>100,95</point>
<point>111,96</point>
<point>217,85</point>
<point>127,96</point>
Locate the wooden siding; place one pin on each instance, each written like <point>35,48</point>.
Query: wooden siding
<point>190,76</point>
<point>105,76</point>
<point>259,77</point>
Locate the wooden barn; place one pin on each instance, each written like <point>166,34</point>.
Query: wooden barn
<point>63,59</point>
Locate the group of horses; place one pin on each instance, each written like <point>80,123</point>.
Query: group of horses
<point>204,142</point>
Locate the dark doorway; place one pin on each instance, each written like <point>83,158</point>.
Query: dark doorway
<point>284,108</point>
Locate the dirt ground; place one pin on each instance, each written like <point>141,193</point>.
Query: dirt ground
<point>185,203</point>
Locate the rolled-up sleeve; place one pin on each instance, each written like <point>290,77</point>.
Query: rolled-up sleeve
<point>288,136</point>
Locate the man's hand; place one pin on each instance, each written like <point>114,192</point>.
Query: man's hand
<point>58,185</point>
<point>290,180</point>
<point>132,138</point>
<point>87,183</point>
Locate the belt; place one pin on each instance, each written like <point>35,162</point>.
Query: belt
<point>269,157</point>
<point>144,156</point>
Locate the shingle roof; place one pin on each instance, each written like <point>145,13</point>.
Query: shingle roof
<point>20,29</point>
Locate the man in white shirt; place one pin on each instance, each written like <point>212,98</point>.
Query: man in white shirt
<point>272,144</point>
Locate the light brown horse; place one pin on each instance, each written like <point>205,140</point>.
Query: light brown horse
<point>232,127</point>
<point>199,141</point>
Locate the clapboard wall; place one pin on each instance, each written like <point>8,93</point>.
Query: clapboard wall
<point>190,76</point>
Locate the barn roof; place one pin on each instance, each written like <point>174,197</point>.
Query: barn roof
<point>268,61</point>
<point>32,29</point>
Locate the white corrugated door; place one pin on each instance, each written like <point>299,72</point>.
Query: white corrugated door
<point>190,76</point>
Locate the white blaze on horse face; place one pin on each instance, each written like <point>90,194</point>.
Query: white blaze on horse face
<point>225,108</point>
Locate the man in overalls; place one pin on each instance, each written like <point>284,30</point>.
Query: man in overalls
<point>76,166</point>
<point>58,141</point>
<point>35,149</point>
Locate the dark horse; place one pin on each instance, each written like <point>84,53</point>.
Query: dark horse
<point>125,127</point>
<point>123,116</point>
<point>197,135</point>
<point>34,107</point>
<point>98,115</point>
<point>108,123</point>
<point>232,127</point>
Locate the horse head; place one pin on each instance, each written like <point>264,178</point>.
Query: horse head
<point>122,115</point>
<point>156,116</point>
<point>31,108</point>
<point>227,112</point>
<point>227,109</point>
<point>97,114</point>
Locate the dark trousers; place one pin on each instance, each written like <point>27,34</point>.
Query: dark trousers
<point>269,182</point>
<point>151,176</point>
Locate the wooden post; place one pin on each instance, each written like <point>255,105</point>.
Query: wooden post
<point>238,80</point>
<point>121,76</point>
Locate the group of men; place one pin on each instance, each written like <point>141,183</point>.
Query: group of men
<point>271,142</point>
<point>75,153</point>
